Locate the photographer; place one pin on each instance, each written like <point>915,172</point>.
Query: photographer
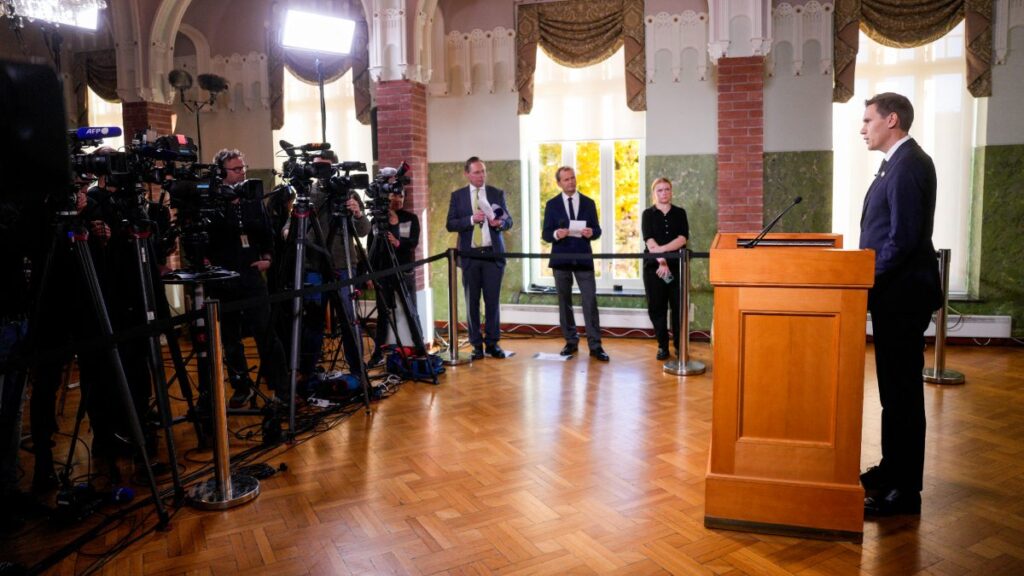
<point>334,208</point>
<point>241,240</point>
<point>63,313</point>
<point>401,229</point>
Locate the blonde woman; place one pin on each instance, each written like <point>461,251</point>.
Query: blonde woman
<point>665,229</point>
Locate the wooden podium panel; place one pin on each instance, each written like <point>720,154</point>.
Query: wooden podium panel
<point>789,326</point>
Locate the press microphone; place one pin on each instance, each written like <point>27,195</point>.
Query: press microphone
<point>97,132</point>
<point>499,212</point>
<point>760,236</point>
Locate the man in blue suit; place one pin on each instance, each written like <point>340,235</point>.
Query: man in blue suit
<point>897,221</point>
<point>479,214</point>
<point>566,238</point>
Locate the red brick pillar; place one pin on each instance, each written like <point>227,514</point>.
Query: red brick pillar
<point>740,144</point>
<point>402,136</point>
<point>141,115</point>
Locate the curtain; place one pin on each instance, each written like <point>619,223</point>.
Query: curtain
<point>908,24</point>
<point>96,70</point>
<point>580,33</point>
<point>303,65</point>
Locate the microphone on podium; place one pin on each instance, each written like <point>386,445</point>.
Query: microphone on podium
<point>760,236</point>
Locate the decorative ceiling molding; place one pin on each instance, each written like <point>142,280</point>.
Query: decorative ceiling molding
<point>675,34</point>
<point>798,26</point>
<point>1008,14</point>
<point>722,13</point>
<point>388,50</point>
<point>478,59</point>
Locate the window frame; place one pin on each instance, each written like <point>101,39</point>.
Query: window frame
<point>538,274</point>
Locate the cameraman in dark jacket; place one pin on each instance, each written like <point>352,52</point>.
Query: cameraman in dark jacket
<point>241,240</point>
<point>336,209</point>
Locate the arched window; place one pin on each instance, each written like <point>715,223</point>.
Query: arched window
<point>932,76</point>
<point>104,113</point>
<point>347,136</point>
<point>580,119</point>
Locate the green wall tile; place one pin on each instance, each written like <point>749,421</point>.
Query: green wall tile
<point>998,198</point>
<point>806,174</point>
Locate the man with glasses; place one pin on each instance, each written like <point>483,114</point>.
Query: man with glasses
<point>241,240</point>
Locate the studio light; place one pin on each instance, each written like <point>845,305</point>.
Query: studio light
<point>317,33</point>
<point>79,13</point>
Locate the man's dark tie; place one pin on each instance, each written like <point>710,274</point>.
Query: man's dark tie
<point>881,168</point>
<point>572,213</point>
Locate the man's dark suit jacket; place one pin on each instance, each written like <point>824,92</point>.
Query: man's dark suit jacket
<point>556,217</point>
<point>460,219</point>
<point>897,222</point>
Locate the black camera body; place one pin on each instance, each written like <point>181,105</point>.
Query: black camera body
<point>388,181</point>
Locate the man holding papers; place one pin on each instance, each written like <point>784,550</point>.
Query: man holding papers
<point>570,224</point>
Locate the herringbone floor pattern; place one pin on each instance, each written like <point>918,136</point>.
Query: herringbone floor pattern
<point>527,466</point>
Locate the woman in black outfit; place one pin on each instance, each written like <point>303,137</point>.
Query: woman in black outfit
<point>665,229</point>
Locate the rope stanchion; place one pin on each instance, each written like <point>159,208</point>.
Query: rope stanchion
<point>454,358</point>
<point>225,490</point>
<point>938,374</point>
<point>683,366</point>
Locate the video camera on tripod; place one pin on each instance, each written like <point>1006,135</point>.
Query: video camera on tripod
<point>309,162</point>
<point>388,181</point>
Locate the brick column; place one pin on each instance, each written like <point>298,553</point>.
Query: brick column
<point>402,135</point>
<point>142,115</point>
<point>740,144</point>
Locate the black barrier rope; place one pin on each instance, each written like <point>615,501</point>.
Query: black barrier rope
<point>160,326</point>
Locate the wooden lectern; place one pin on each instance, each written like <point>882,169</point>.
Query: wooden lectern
<point>789,332</point>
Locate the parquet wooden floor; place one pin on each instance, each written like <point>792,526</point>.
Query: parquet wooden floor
<point>527,466</point>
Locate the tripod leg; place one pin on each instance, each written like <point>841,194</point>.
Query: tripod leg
<point>156,362</point>
<point>100,308</point>
<point>184,383</point>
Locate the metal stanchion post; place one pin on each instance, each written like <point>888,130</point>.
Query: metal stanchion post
<point>938,374</point>
<point>454,358</point>
<point>683,366</point>
<point>225,490</point>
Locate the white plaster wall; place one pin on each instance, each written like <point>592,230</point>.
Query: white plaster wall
<point>1005,116</point>
<point>484,125</point>
<point>682,117</point>
<point>797,109</point>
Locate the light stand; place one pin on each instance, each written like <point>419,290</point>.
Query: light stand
<point>319,34</point>
<point>182,81</point>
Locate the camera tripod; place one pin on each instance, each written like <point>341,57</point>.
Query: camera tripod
<point>381,225</point>
<point>302,210</point>
<point>69,229</point>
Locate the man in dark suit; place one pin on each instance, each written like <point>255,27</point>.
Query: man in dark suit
<point>479,214</point>
<point>899,212</point>
<point>570,224</point>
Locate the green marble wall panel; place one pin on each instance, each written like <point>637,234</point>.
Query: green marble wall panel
<point>1000,269</point>
<point>806,174</point>
<point>445,178</point>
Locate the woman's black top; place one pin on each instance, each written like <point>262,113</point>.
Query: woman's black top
<point>663,228</point>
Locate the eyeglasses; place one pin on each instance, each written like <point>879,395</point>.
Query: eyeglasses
<point>238,168</point>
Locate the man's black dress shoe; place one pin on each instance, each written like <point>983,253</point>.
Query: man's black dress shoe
<point>495,351</point>
<point>874,479</point>
<point>599,354</point>
<point>569,350</point>
<point>478,353</point>
<point>893,502</point>
<point>662,353</point>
